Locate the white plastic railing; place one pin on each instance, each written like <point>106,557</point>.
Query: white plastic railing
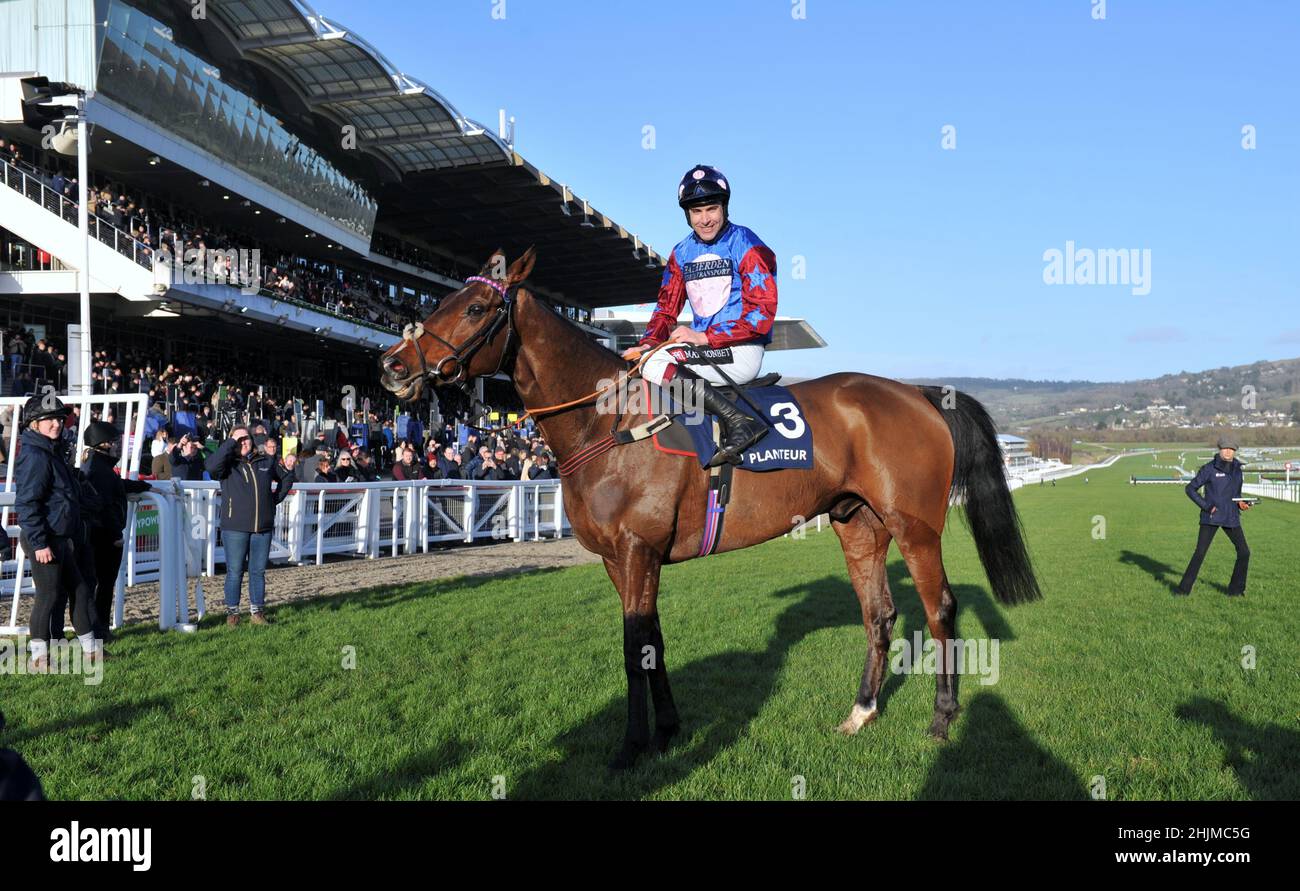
<point>1273,489</point>
<point>386,518</point>
<point>174,531</point>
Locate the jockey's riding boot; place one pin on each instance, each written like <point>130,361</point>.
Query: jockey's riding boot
<point>739,430</point>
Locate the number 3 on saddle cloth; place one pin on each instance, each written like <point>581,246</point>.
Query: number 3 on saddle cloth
<point>787,445</point>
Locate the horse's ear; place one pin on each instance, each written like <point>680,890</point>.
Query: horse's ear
<point>523,267</point>
<point>495,267</point>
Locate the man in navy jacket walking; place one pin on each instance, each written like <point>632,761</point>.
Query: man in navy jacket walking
<point>1220,509</point>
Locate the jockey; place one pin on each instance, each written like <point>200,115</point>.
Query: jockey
<point>729,276</point>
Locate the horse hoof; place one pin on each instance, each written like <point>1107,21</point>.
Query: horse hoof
<point>664,737</point>
<point>939,731</point>
<point>858,718</point>
<point>626,758</point>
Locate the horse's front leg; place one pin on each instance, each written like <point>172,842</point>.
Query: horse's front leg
<point>635,573</point>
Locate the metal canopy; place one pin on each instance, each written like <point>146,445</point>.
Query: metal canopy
<point>341,75</point>
<point>462,188</point>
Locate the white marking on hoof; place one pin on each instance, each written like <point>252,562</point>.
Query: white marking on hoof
<point>859,716</point>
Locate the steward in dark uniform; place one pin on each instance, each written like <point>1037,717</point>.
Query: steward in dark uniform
<point>48,503</point>
<point>106,532</point>
<point>1220,509</point>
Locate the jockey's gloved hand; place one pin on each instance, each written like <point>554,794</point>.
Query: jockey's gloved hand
<point>632,354</point>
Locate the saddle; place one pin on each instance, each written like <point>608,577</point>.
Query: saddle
<point>664,427</point>
<point>676,439</point>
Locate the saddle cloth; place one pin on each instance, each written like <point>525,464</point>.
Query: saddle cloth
<point>787,445</point>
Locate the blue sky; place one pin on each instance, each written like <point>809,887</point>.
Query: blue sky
<point>1122,133</point>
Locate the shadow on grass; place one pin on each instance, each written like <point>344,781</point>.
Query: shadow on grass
<point>1166,575</point>
<point>1265,757</point>
<point>995,758</point>
<point>110,717</point>
<point>719,696</point>
<point>408,776</point>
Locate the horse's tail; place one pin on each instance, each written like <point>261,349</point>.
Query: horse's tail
<point>978,479</point>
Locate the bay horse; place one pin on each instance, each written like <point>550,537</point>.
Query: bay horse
<point>888,457</point>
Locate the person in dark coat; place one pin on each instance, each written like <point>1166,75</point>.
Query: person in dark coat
<point>48,504</point>
<point>542,468</point>
<point>1220,509</point>
<point>186,459</point>
<point>344,468</point>
<point>470,450</point>
<point>324,470</point>
<point>364,467</point>
<point>407,467</point>
<point>247,517</point>
<point>106,535</point>
<point>448,466</point>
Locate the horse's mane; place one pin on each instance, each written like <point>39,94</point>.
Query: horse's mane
<point>588,348</point>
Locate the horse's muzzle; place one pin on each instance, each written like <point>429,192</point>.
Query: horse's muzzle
<point>391,365</point>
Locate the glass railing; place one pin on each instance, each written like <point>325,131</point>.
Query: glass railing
<point>142,69</point>
<point>35,189</point>
<point>317,308</point>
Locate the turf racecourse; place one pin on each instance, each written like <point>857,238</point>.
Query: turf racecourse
<point>459,685</point>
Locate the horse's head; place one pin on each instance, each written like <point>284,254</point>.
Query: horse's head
<point>466,337</point>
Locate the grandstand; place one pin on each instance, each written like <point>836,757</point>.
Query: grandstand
<point>269,194</point>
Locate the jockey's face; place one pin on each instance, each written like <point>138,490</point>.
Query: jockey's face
<point>706,220</point>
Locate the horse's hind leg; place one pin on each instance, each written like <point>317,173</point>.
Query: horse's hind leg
<point>921,547</point>
<point>866,545</point>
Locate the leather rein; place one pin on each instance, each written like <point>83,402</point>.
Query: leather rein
<point>461,355</point>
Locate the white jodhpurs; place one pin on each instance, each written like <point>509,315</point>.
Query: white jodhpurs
<point>741,362</point>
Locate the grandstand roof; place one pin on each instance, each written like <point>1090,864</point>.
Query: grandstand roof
<point>337,70</point>
<point>462,187</point>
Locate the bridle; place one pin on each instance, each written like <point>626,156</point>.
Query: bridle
<point>461,355</point>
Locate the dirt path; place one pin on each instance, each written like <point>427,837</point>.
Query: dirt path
<point>286,583</point>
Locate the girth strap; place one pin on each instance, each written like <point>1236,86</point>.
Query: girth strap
<point>617,437</point>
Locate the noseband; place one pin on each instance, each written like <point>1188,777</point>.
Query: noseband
<point>451,370</point>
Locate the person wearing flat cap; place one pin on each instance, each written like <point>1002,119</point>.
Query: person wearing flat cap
<point>1221,507</point>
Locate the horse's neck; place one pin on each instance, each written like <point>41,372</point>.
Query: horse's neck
<point>557,363</point>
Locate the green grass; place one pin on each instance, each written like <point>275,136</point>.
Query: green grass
<point>459,681</point>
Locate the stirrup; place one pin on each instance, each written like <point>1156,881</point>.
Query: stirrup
<point>724,456</point>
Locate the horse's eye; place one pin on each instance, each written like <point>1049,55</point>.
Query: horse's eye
<point>475,309</point>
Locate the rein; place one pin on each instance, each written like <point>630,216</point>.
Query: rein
<point>461,355</point>
<point>626,376</point>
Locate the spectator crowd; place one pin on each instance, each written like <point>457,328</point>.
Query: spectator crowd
<point>192,407</point>
<point>157,225</point>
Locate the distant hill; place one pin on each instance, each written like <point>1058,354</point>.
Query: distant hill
<point>1196,398</point>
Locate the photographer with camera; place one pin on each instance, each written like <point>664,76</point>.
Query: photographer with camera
<point>186,459</point>
<point>247,517</point>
